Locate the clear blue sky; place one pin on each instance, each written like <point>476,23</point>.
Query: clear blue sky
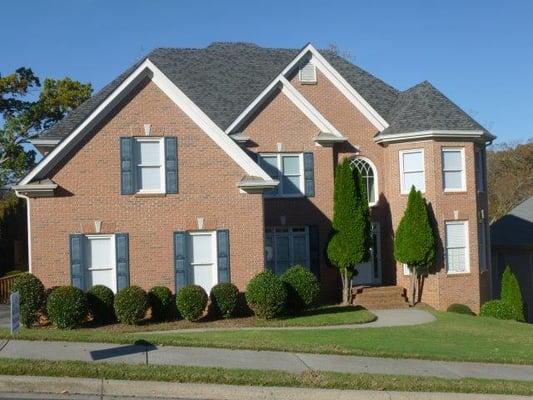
<point>479,53</point>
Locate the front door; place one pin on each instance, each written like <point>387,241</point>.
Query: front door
<point>100,261</point>
<point>202,257</point>
<point>369,273</point>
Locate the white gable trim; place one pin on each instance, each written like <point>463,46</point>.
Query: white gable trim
<point>329,72</point>
<point>148,69</point>
<point>429,134</point>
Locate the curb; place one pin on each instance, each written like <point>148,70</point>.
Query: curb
<point>162,390</point>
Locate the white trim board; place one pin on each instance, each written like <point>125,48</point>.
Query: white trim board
<point>148,69</point>
<point>429,134</point>
<point>330,73</point>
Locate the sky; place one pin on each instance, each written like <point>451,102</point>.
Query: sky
<point>479,53</point>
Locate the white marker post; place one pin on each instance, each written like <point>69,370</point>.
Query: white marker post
<point>15,313</point>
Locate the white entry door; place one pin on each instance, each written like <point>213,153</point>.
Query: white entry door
<point>100,261</point>
<point>203,261</point>
<point>369,273</point>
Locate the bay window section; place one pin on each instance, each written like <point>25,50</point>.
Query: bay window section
<point>412,171</point>
<point>457,257</point>
<point>453,170</point>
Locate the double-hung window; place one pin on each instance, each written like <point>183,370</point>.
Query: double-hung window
<point>456,236</point>
<point>288,169</point>
<point>453,170</point>
<point>285,247</point>
<point>150,165</point>
<point>480,170</point>
<point>412,170</point>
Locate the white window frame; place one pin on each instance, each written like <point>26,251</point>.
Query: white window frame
<point>467,247</point>
<point>272,230</point>
<point>161,142</point>
<point>307,81</point>
<point>214,252</point>
<point>403,189</point>
<point>281,174</point>
<point>113,265</point>
<point>463,169</point>
<point>480,166</point>
<point>406,271</point>
<point>375,171</point>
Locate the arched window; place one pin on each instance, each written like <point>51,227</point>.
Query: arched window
<point>368,172</point>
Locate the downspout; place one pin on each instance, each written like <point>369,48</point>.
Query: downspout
<point>28,225</point>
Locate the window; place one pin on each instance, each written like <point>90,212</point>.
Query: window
<point>412,170</point>
<point>202,252</point>
<point>100,261</point>
<point>480,170</point>
<point>285,247</point>
<point>457,259</point>
<point>307,73</point>
<point>482,227</point>
<point>150,171</point>
<point>368,173</point>
<point>288,169</point>
<point>453,170</point>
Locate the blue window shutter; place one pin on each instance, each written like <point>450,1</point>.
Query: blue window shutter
<point>223,255</point>
<point>314,250</point>
<point>171,164</point>
<point>127,175</point>
<point>309,174</point>
<point>77,258</point>
<point>123,260</point>
<point>180,260</point>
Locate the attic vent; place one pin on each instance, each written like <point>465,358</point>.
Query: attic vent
<point>307,73</point>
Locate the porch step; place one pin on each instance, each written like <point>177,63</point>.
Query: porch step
<point>380,297</point>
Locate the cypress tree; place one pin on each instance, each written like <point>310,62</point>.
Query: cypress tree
<point>510,293</point>
<point>350,241</point>
<point>414,244</point>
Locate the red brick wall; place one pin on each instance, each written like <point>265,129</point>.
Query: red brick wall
<point>90,190</point>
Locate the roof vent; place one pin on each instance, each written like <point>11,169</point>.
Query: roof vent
<point>307,73</point>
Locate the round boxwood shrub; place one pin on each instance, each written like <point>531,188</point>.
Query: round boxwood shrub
<point>460,309</point>
<point>161,303</point>
<point>266,295</point>
<point>32,297</point>
<point>100,300</point>
<point>497,309</point>
<point>224,299</point>
<point>66,307</point>
<point>303,289</point>
<point>130,305</point>
<point>191,301</point>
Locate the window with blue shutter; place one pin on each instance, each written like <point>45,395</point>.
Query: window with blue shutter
<point>127,173</point>
<point>171,164</point>
<point>309,174</point>
<point>223,255</point>
<point>77,258</point>
<point>122,260</point>
<point>180,260</point>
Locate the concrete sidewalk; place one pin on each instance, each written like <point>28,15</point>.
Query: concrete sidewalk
<point>259,360</point>
<point>116,389</point>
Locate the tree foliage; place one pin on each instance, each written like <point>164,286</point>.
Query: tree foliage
<point>511,294</point>
<point>414,244</point>
<point>350,241</point>
<point>511,164</point>
<point>26,114</point>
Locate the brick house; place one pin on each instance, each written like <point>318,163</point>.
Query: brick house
<point>209,165</point>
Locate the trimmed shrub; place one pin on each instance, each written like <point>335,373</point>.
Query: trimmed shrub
<point>497,309</point>
<point>303,289</point>
<point>224,299</point>
<point>130,305</point>
<point>266,295</point>
<point>460,309</point>
<point>161,303</point>
<point>191,301</point>
<point>100,300</point>
<point>511,294</point>
<point>66,307</point>
<point>32,297</point>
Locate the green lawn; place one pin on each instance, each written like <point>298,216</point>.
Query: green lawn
<point>451,337</point>
<point>326,380</point>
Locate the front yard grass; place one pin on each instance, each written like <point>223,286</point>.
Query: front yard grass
<point>451,337</point>
<point>324,380</point>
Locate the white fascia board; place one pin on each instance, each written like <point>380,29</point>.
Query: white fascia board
<point>44,142</point>
<point>429,134</point>
<point>148,69</point>
<point>336,79</point>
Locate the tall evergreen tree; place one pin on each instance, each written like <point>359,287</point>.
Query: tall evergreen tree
<point>511,294</point>
<point>350,241</point>
<point>414,244</point>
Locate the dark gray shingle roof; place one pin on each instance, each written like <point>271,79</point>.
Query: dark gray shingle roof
<point>514,228</point>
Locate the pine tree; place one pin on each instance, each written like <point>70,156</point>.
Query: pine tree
<point>510,293</point>
<point>350,241</point>
<point>414,244</point>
